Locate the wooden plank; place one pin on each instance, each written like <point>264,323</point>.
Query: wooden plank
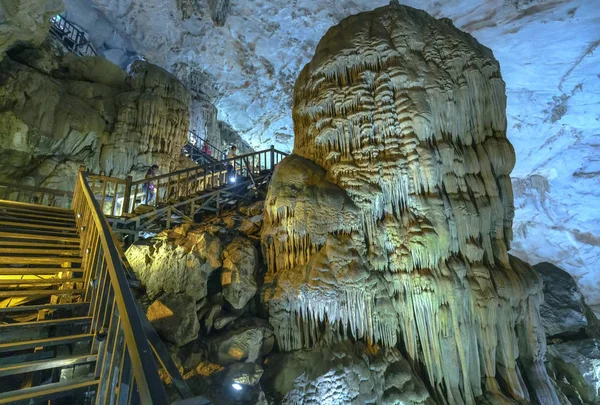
<point>61,251</point>
<point>38,260</point>
<point>48,391</point>
<point>21,235</point>
<point>36,207</point>
<point>25,271</point>
<point>26,293</point>
<point>46,364</point>
<point>44,307</point>
<point>38,226</point>
<point>49,342</point>
<point>39,282</point>
<point>56,244</point>
<point>47,323</point>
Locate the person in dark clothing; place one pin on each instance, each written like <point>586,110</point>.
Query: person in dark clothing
<point>148,187</point>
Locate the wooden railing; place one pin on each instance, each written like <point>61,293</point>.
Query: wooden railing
<point>120,197</point>
<point>125,368</point>
<point>36,195</point>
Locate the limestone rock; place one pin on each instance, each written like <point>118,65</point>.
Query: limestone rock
<point>25,21</point>
<point>240,260</point>
<point>564,309</point>
<point>576,366</point>
<point>174,317</point>
<point>345,373</point>
<point>391,222</point>
<point>60,111</point>
<point>244,341</point>
<point>176,261</point>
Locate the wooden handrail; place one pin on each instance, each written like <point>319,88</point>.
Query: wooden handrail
<point>197,138</point>
<point>108,291</point>
<point>36,195</point>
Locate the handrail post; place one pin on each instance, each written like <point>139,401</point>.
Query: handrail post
<point>272,157</point>
<point>127,195</point>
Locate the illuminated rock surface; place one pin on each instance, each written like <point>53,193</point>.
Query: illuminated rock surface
<point>344,373</point>
<point>549,55</point>
<point>62,111</point>
<point>392,220</point>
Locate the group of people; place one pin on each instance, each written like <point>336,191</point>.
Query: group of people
<point>149,189</point>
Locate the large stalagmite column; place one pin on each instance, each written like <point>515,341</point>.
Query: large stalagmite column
<point>391,221</point>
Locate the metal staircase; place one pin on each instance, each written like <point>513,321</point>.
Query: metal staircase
<point>70,331</point>
<point>74,39</point>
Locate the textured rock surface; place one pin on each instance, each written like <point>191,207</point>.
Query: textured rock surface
<point>397,208</point>
<point>174,317</point>
<point>240,260</point>
<point>564,310</point>
<point>244,341</point>
<point>343,374</point>
<point>576,365</point>
<point>549,56</point>
<point>61,111</point>
<point>178,261</point>
<point>25,21</point>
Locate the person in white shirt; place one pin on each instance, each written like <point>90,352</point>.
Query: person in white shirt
<point>230,170</point>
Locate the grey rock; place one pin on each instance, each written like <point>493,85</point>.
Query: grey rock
<point>346,373</point>
<point>563,310</point>
<point>242,342</point>
<point>174,318</point>
<point>576,368</point>
<point>240,260</point>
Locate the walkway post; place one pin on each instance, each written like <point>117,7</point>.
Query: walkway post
<point>272,157</point>
<point>127,195</point>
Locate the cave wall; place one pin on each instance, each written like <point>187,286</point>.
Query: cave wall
<point>391,222</point>
<point>59,111</point>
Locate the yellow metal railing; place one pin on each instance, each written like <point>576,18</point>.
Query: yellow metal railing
<point>125,369</point>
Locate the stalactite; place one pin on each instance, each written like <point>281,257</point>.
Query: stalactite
<point>391,221</point>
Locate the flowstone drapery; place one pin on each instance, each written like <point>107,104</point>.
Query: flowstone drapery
<point>391,221</point>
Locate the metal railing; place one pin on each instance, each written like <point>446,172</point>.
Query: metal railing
<point>119,197</point>
<point>202,145</point>
<point>125,366</point>
<point>36,195</point>
<point>72,37</point>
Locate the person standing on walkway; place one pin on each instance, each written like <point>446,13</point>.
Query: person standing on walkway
<point>230,168</point>
<point>148,187</point>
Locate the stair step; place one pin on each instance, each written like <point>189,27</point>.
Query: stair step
<point>26,293</point>
<point>39,227</point>
<point>21,235</point>
<point>41,307</point>
<point>38,260</point>
<point>46,364</point>
<point>36,215</point>
<point>47,323</point>
<point>48,281</point>
<point>31,271</point>
<point>36,250</point>
<point>48,391</point>
<point>49,342</point>
<point>35,207</point>
<point>56,244</point>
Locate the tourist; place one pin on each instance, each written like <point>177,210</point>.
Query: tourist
<point>148,187</point>
<point>230,169</point>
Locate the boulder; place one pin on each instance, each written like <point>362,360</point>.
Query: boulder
<point>174,317</point>
<point>344,373</point>
<point>176,262</point>
<point>564,311</point>
<point>240,259</point>
<point>243,341</point>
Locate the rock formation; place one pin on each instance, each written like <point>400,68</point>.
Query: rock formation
<point>345,373</point>
<point>391,222</point>
<point>60,111</point>
<point>25,21</point>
